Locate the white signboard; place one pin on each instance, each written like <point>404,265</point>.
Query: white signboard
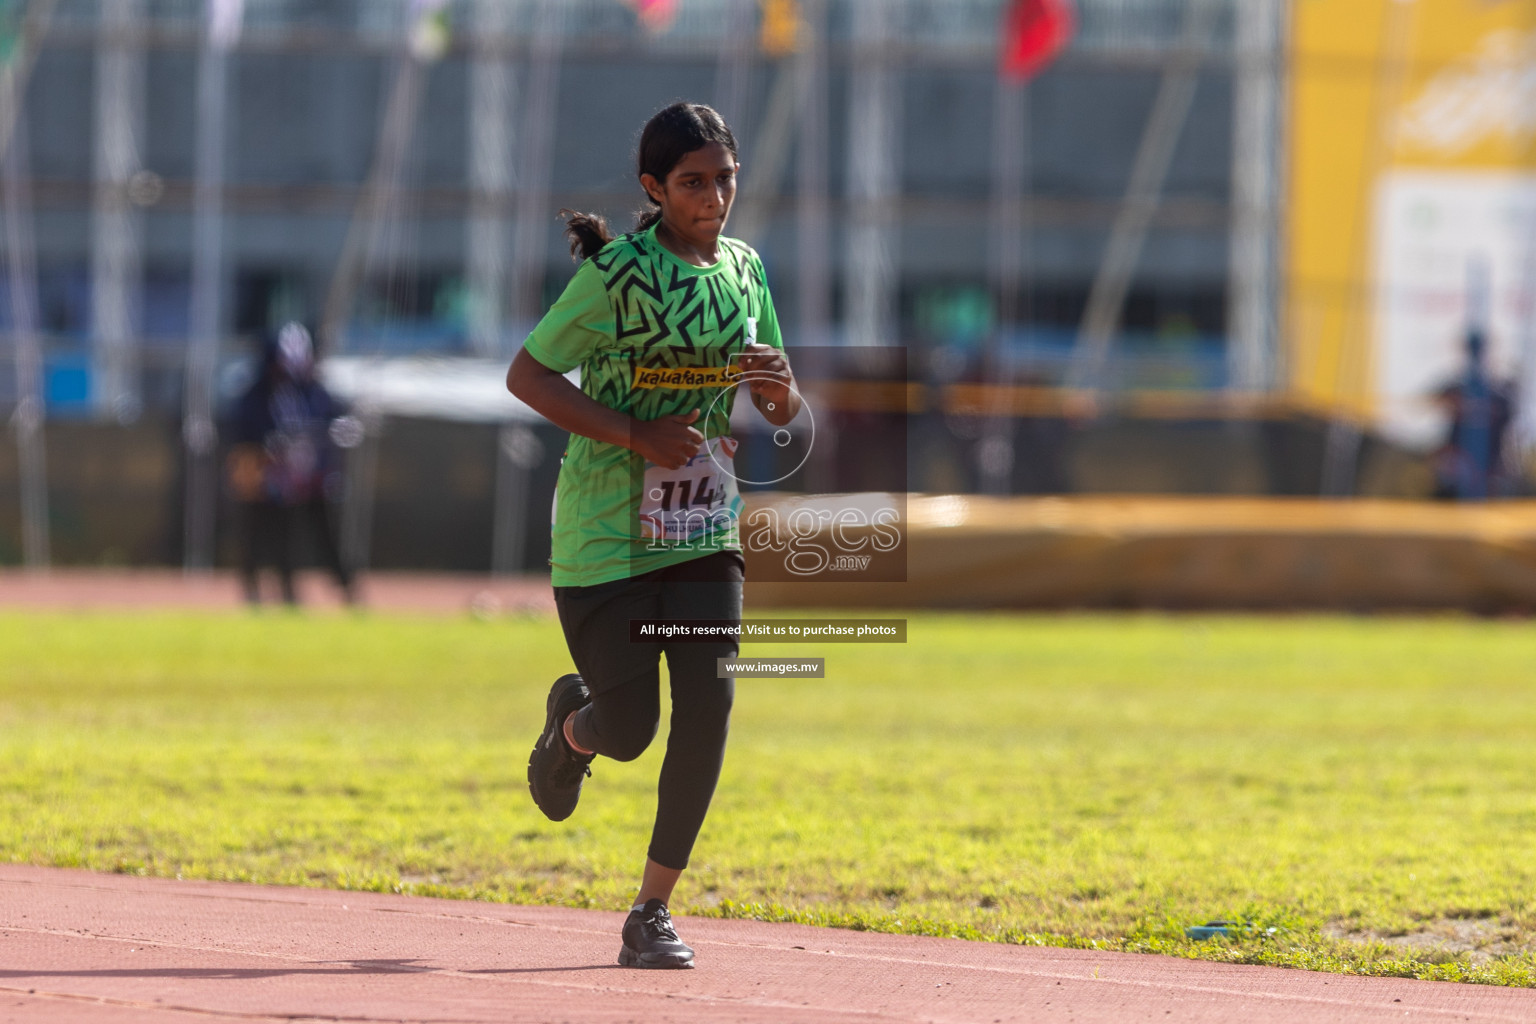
<point>1452,248</point>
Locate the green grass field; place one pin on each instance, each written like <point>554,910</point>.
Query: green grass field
<point>1363,786</point>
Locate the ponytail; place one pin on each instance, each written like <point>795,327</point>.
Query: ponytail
<point>588,233</point>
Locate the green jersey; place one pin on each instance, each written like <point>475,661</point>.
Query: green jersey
<point>654,336</point>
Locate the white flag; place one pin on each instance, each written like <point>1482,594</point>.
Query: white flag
<point>224,17</point>
<point>429,36</point>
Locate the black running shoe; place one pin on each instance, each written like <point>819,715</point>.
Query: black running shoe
<point>555,771</point>
<point>651,941</point>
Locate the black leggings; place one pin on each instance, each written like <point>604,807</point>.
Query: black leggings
<point>625,681</point>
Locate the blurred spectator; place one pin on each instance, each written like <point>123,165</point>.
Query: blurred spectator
<point>284,468</point>
<point>1470,465</point>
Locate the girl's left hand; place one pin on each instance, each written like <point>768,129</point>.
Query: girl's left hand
<point>767,372</point>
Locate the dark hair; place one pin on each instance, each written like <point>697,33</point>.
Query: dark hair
<point>670,135</point>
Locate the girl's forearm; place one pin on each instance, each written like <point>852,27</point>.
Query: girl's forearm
<point>565,405</point>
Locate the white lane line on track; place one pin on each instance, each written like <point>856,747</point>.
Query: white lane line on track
<point>495,975</point>
<point>136,1004</point>
<point>1524,1018</point>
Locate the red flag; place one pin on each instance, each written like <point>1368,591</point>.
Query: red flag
<point>1034,32</point>
<point>655,15</point>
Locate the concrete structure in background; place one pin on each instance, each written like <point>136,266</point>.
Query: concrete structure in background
<point>390,171</point>
<point>536,105</point>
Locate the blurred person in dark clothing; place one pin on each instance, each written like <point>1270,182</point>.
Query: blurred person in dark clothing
<point>1470,465</point>
<point>285,467</point>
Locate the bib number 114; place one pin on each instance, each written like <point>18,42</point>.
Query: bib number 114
<point>694,500</point>
<point>679,489</point>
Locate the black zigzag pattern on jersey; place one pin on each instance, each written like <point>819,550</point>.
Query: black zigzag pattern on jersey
<point>671,318</point>
<point>665,317</point>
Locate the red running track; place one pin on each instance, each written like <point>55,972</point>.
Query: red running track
<point>114,949</point>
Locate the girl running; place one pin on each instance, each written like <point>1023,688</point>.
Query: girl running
<point>665,323</point>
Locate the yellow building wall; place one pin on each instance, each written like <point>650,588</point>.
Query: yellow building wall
<point>1378,88</point>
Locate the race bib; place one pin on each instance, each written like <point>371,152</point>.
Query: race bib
<point>694,501</point>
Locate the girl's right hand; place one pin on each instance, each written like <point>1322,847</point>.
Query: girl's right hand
<point>669,441</point>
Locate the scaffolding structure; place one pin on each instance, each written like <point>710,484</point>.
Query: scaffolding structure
<point>117,265</point>
<point>199,431</point>
<point>29,409</point>
<point>873,162</point>
<point>490,176</point>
